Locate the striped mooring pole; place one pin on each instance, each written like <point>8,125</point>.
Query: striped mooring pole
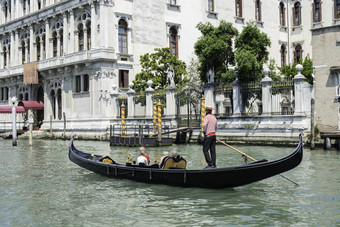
<point>154,117</point>
<point>159,121</point>
<point>202,111</point>
<point>123,118</point>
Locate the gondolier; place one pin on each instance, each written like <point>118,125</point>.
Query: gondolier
<point>209,131</point>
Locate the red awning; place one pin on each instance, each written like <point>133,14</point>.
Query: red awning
<point>8,109</point>
<point>32,105</point>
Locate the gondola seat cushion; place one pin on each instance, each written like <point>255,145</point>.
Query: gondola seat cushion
<point>107,159</point>
<point>177,162</point>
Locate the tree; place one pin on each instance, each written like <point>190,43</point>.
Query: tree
<point>289,71</point>
<point>155,67</point>
<point>251,53</point>
<point>215,49</point>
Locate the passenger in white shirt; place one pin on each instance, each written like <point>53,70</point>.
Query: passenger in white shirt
<point>141,158</point>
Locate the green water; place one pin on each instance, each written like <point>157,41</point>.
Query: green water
<point>39,186</point>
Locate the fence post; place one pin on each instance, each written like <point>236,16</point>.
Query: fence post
<point>148,99</point>
<point>131,104</point>
<point>298,90</point>
<point>114,95</point>
<point>14,122</point>
<point>237,96</point>
<point>266,93</point>
<point>170,101</point>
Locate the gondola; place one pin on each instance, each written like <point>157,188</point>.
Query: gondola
<point>178,175</point>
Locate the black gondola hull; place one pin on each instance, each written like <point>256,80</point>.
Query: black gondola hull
<point>205,178</point>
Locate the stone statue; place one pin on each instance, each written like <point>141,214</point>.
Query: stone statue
<point>210,75</point>
<point>171,76</point>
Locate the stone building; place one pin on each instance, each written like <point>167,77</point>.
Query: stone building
<point>74,55</point>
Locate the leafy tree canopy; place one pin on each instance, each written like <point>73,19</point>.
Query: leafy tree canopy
<point>155,67</point>
<point>251,52</point>
<point>289,71</point>
<point>215,49</point>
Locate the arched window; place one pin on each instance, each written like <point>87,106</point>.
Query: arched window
<point>61,40</point>
<point>55,44</point>
<point>297,53</point>
<point>88,28</point>
<point>283,53</point>
<point>6,10</point>
<point>39,4</point>
<point>5,57</point>
<point>297,14</point>
<point>282,14</point>
<point>122,37</point>
<point>38,48</point>
<point>23,52</point>
<point>80,37</point>
<point>317,11</point>
<point>337,9</point>
<point>173,41</point>
<point>238,8</point>
<point>258,16</point>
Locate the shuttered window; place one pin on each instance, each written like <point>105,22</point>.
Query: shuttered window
<point>123,78</point>
<point>317,11</point>
<point>238,8</point>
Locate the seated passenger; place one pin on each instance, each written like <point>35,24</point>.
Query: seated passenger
<point>145,154</point>
<point>165,154</point>
<point>142,160</point>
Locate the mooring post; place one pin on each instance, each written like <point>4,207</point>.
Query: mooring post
<point>312,131</point>
<point>159,122</point>
<point>51,124</point>
<point>64,115</point>
<point>123,118</point>
<point>14,122</point>
<point>140,135</point>
<point>154,117</point>
<point>30,127</point>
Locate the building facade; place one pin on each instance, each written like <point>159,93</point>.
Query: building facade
<point>83,50</point>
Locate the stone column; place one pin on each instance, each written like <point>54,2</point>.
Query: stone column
<point>1,55</point>
<point>42,57</point>
<point>76,41</point>
<point>35,47</point>
<point>131,104</point>
<point>26,52</point>
<point>47,40</point>
<point>237,96</point>
<point>170,101</point>
<point>31,46</point>
<point>58,44</point>
<point>65,34</point>
<point>114,105</point>
<point>16,48</point>
<point>298,90</point>
<point>148,99</point>
<point>85,38</point>
<point>266,93</point>
<point>11,60</point>
<point>93,25</point>
<point>71,44</point>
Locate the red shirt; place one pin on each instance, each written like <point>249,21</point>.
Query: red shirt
<point>147,157</point>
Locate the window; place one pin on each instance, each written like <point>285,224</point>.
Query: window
<point>6,10</point>
<point>282,14</point>
<point>39,4</point>
<point>86,83</point>
<point>173,2</point>
<point>258,16</point>
<point>4,94</point>
<point>78,83</point>
<point>88,44</point>
<point>337,9</point>
<point>38,48</point>
<point>297,53</point>
<point>5,57</point>
<point>122,37</point>
<point>283,55</point>
<point>55,44</point>
<point>317,11</point>
<point>173,41</point>
<point>297,14</point>
<point>123,78</point>
<point>238,8</point>
<point>80,37</point>
<point>211,5</point>
<point>23,52</point>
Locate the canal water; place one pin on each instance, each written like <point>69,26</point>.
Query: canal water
<point>39,186</point>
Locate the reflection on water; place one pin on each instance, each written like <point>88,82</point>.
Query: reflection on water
<point>41,187</point>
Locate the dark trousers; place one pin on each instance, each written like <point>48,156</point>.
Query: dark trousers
<point>209,144</point>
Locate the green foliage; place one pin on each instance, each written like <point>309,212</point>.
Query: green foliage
<point>215,49</point>
<point>251,53</point>
<point>273,70</point>
<point>155,68</point>
<point>289,71</point>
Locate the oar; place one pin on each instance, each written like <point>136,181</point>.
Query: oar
<point>252,158</point>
